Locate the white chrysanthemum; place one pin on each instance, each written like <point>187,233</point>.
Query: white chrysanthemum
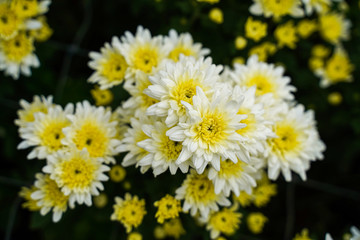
<point>129,143</point>
<point>139,101</point>
<point>266,77</point>
<point>142,52</point>
<point>45,132</point>
<point>257,129</point>
<point>27,113</point>
<point>277,8</point>
<point>210,130</point>
<point>235,177</point>
<point>199,195</point>
<point>77,174</point>
<point>92,128</point>
<point>17,55</point>
<point>184,44</point>
<point>297,143</point>
<point>109,65</point>
<point>176,83</point>
<point>319,6</point>
<point>163,152</point>
<point>49,196</point>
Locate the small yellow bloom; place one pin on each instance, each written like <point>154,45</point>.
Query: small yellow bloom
<point>29,203</point>
<point>134,236</point>
<point>209,1</point>
<point>159,232</point>
<point>285,34</point>
<point>102,97</point>
<point>44,33</point>
<point>101,200</point>
<point>240,42</point>
<point>117,173</point>
<point>334,27</point>
<point>306,27</point>
<point>255,29</point>
<point>304,235</point>
<point>320,51</point>
<point>174,228</point>
<point>127,185</point>
<point>335,98</point>
<point>316,63</point>
<point>168,207</point>
<point>239,60</point>
<point>263,50</point>
<point>216,15</point>
<point>255,222</point>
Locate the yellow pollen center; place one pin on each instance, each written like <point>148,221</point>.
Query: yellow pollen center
<point>211,129</point>
<point>200,189</point>
<point>231,169</point>
<point>184,91</point>
<point>262,83</point>
<point>9,23</point>
<point>175,53</point>
<point>93,138</point>
<point>225,221</point>
<point>114,67</point>
<point>145,59</point>
<point>171,149</point>
<point>288,139</point>
<point>18,47</point>
<point>249,121</point>
<point>52,134</point>
<point>25,8</point>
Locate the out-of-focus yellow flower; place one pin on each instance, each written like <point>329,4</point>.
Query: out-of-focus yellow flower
<point>335,98</point>
<point>44,33</point>
<point>174,228</point>
<point>304,235</point>
<point>255,29</point>
<point>316,63</point>
<point>255,222</point>
<point>29,203</point>
<point>209,1</point>
<point>159,232</point>
<point>117,173</point>
<point>320,51</point>
<point>168,208</point>
<point>285,34</point>
<point>101,200</point>
<point>334,27</point>
<point>239,60</point>
<point>306,27</point>
<point>240,42</point>
<point>263,50</point>
<point>134,236</point>
<point>102,97</point>
<point>216,15</point>
<point>127,185</point>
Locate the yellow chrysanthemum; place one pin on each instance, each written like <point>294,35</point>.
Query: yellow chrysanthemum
<point>255,222</point>
<point>29,203</point>
<point>102,97</point>
<point>216,15</point>
<point>334,27</point>
<point>226,221</point>
<point>117,173</point>
<point>306,27</point>
<point>17,48</point>
<point>134,236</point>
<point>335,98</point>
<point>285,34</point>
<point>174,228</point>
<point>255,29</point>
<point>129,211</point>
<point>304,235</point>
<point>9,22</point>
<point>168,208</point>
<point>240,42</point>
<point>320,51</point>
<point>44,33</point>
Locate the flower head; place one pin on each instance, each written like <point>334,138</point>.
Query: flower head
<point>168,208</point>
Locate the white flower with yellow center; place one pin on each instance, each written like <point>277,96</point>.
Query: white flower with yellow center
<point>297,143</point>
<point>16,55</point>
<point>277,8</point>
<point>49,196</point>
<point>27,113</point>
<point>29,8</point>
<point>176,82</point>
<point>92,128</point>
<point>199,195</point>
<point>319,6</point>
<point>163,152</point>
<point>333,27</point>
<point>235,177</point>
<point>266,77</point>
<point>45,132</point>
<point>142,52</point>
<point>139,101</point>
<point>209,132</point>
<point>184,44</point>
<point>109,65</point>
<point>129,143</point>
<point>77,174</point>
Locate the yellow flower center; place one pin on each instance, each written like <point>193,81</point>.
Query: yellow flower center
<point>211,129</point>
<point>53,196</point>
<point>9,22</point>
<point>25,8</point>
<point>92,137</point>
<point>181,49</point>
<point>170,149</point>
<point>77,173</point>
<point>113,68</point>
<point>18,47</point>
<point>117,173</point>
<point>263,84</point>
<point>184,91</point>
<point>145,59</point>
<point>279,7</point>
<point>225,221</point>
<point>52,134</point>
<point>249,121</point>
<point>200,189</point>
<point>230,169</point>
<point>288,138</point>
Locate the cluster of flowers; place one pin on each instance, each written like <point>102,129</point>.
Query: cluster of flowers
<point>220,129</point>
<point>21,23</point>
<point>327,17</point>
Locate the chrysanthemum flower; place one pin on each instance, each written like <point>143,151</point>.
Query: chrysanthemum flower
<point>9,22</point>
<point>168,208</point>
<point>266,77</point>
<point>334,27</point>
<point>77,174</point>
<point>176,83</point>
<point>255,29</point>
<point>16,55</point>
<point>49,196</point>
<point>162,151</point>
<point>102,97</point>
<point>29,203</point>
<point>92,128</point>
<point>277,8</point>
<point>216,15</point>
<point>319,6</point>
<point>297,143</point>
<point>45,132</point>
<point>184,44</point>
<point>256,221</point>
<point>42,33</point>
<point>117,173</point>
<point>285,35</point>
<point>109,65</point>
<point>129,211</point>
<point>142,52</point>
<point>174,228</point>
<point>27,113</point>
<point>210,130</point>
<point>29,8</point>
<point>306,27</point>
<point>199,195</point>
